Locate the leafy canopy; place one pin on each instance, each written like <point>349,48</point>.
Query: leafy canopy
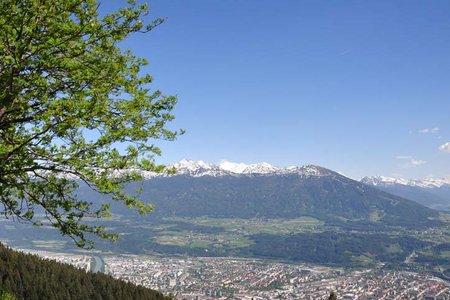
<point>63,75</point>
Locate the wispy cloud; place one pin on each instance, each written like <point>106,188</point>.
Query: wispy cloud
<point>410,161</point>
<point>429,130</point>
<point>346,51</point>
<point>416,162</point>
<point>445,147</point>
<point>403,157</point>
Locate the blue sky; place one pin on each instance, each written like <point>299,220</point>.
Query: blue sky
<point>349,85</point>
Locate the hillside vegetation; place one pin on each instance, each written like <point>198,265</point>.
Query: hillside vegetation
<point>29,277</point>
<point>332,198</point>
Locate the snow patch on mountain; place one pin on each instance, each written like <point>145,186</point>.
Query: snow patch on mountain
<point>387,181</point>
<point>227,168</point>
<point>238,168</point>
<point>198,168</point>
<point>262,168</point>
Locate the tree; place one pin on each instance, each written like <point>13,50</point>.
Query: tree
<point>68,97</point>
<point>333,296</point>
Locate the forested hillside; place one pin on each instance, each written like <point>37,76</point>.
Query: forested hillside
<point>329,197</point>
<point>29,277</point>
<point>6,296</point>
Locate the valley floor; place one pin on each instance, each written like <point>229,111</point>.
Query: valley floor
<point>228,278</point>
<point>240,278</point>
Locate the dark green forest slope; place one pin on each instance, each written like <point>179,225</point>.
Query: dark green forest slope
<point>331,198</point>
<point>29,277</point>
<point>6,296</point>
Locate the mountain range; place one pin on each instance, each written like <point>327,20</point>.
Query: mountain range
<point>433,193</point>
<point>265,191</point>
<point>389,181</point>
<point>226,168</point>
<point>350,217</point>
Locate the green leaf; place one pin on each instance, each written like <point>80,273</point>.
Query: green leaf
<point>62,74</point>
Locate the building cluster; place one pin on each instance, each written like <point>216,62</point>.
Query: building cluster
<point>237,278</point>
<point>231,278</point>
<point>82,262</point>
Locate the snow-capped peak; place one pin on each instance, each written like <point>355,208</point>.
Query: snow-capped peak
<point>436,182</point>
<point>385,181</point>
<point>309,170</point>
<point>192,165</point>
<point>225,168</point>
<point>232,167</point>
<point>241,168</point>
<point>261,168</point>
<point>201,168</point>
<point>197,168</point>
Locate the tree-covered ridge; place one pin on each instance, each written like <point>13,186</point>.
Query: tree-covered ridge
<point>29,277</point>
<point>333,199</point>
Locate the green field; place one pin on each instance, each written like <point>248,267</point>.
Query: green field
<point>254,226</point>
<point>303,239</point>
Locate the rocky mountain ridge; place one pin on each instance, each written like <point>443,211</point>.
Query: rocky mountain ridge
<point>388,181</point>
<point>226,168</point>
